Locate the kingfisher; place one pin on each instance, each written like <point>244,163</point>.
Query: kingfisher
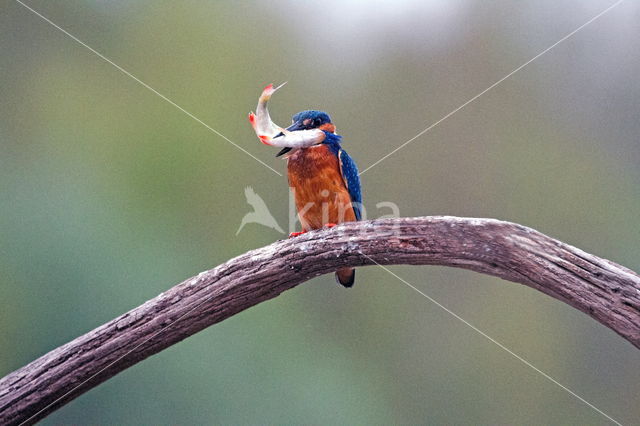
<point>324,180</point>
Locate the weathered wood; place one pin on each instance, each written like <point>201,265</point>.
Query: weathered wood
<point>602,289</point>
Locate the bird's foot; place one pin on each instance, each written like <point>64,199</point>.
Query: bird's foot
<point>329,225</point>
<point>295,234</point>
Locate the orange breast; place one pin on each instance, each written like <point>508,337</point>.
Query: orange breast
<point>320,194</point>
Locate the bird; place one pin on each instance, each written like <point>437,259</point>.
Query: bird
<point>324,180</point>
<point>260,213</point>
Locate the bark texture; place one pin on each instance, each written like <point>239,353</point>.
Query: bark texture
<point>608,292</point>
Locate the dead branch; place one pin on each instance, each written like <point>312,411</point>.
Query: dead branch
<point>608,292</point>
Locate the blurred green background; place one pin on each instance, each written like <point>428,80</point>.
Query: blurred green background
<point>110,195</point>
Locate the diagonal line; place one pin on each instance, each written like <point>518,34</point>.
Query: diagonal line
<point>260,161</point>
<point>153,336</point>
<point>491,339</point>
<point>145,85</point>
<point>495,84</point>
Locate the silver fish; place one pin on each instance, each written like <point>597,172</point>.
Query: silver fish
<point>267,130</point>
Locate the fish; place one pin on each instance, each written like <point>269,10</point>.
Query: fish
<point>261,122</point>
<point>271,134</point>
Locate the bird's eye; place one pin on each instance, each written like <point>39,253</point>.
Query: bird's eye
<point>317,122</point>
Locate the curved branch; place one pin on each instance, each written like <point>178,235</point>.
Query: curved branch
<point>608,292</point>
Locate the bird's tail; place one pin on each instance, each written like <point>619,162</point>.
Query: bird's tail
<point>346,276</point>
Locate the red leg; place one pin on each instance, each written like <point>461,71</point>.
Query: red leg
<point>329,225</point>
<point>295,234</point>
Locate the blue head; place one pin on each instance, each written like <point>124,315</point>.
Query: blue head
<point>313,119</point>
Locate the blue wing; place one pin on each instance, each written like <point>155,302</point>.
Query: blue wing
<point>349,172</point>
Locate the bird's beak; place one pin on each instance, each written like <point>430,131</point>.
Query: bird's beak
<point>283,151</point>
<point>295,126</point>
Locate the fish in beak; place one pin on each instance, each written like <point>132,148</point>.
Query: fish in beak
<point>295,127</point>
<point>271,134</point>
